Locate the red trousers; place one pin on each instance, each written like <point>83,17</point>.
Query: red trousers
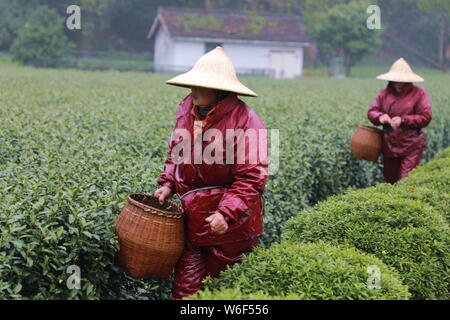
<point>196,263</point>
<point>398,168</point>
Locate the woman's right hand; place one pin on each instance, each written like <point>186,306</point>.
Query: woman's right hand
<point>162,194</point>
<point>385,118</point>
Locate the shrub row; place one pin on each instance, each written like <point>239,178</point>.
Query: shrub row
<point>236,294</point>
<point>405,225</point>
<point>435,176</point>
<point>316,271</point>
<point>326,249</point>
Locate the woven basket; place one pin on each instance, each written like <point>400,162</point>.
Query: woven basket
<point>366,143</point>
<point>151,236</point>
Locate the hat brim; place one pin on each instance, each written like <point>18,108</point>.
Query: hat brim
<point>400,77</point>
<point>199,79</point>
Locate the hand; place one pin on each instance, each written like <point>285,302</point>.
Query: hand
<point>217,223</point>
<point>396,122</point>
<point>162,194</point>
<point>385,118</point>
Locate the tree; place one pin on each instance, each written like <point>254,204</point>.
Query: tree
<point>291,7</point>
<point>95,21</point>
<point>408,32</point>
<point>41,38</point>
<point>440,9</point>
<point>341,30</point>
<point>12,15</point>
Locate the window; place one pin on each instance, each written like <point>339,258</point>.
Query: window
<point>212,45</point>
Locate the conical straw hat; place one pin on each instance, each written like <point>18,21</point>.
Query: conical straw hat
<point>400,72</point>
<point>214,70</point>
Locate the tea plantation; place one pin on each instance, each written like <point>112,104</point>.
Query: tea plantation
<point>74,144</point>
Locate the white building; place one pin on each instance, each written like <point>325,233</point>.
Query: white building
<point>258,45</point>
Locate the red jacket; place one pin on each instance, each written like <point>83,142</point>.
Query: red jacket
<point>240,202</point>
<point>413,106</point>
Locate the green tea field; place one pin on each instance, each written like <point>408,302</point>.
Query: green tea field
<point>74,144</point>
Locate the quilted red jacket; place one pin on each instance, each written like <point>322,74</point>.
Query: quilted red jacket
<point>240,200</point>
<point>412,104</point>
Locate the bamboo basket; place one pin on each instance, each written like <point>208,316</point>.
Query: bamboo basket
<point>151,236</point>
<point>366,143</point>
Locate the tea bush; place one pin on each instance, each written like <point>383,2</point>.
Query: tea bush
<point>67,165</point>
<point>74,144</point>
<point>435,175</point>
<point>266,266</point>
<point>307,271</point>
<point>440,201</point>
<point>236,294</point>
<point>409,235</point>
<point>443,154</point>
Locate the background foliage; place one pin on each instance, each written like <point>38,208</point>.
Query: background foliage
<point>41,38</point>
<point>418,30</point>
<point>341,31</point>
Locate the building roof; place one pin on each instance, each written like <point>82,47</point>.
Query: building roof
<point>198,23</point>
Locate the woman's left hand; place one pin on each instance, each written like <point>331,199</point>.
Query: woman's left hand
<point>396,122</point>
<point>217,223</point>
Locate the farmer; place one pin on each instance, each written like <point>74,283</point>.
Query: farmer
<point>222,199</point>
<point>404,110</point>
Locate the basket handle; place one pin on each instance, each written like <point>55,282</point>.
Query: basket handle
<point>164,214</point>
